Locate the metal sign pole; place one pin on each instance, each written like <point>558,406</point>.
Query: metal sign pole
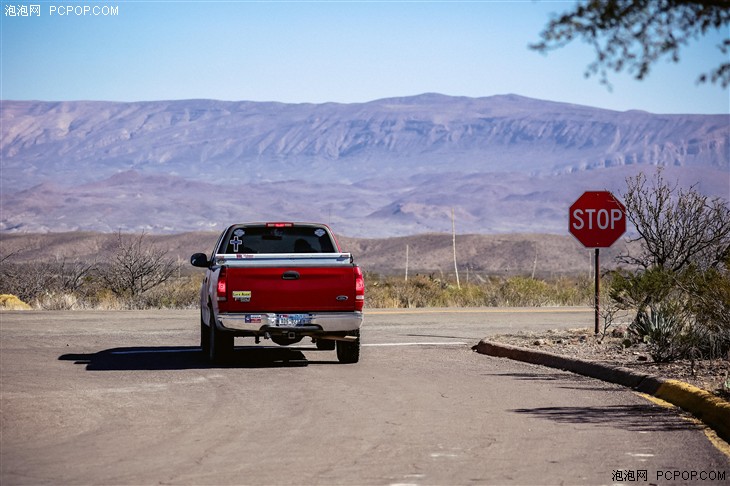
<point>598,287</point>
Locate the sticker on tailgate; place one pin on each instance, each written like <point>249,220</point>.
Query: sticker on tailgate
<point>242,295</point>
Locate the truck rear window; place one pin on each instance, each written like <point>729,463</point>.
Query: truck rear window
<point>262,239</point>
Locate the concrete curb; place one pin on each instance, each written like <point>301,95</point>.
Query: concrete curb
<point>711,410</point>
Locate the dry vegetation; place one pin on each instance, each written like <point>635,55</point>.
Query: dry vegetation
<point>516,291</point>
<point>70,270</point>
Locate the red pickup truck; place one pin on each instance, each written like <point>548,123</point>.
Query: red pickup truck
<point>280,281</point>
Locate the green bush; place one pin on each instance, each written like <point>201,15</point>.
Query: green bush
<point>524,292</point>
<point>637,290</point>
<point>679,314</point>
<point>708,299</point>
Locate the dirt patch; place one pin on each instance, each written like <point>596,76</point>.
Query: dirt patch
<point>710,375</point>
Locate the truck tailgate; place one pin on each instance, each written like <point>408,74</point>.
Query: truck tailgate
<point>290,289</point>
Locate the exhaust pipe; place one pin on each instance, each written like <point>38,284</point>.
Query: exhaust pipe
<point>349,339</point>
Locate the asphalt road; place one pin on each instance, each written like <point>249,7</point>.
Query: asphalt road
<point>126,398</point>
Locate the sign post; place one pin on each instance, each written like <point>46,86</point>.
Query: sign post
<point>597,219</point>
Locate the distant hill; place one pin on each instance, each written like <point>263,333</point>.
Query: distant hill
<point>389,167</point>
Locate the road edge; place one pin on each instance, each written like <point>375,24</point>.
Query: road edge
<point>711,410</point>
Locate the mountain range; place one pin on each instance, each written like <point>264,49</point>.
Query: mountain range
<point>390,167</point>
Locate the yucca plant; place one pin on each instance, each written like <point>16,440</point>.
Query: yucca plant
<point>662,328</point>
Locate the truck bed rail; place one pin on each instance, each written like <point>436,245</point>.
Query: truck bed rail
<point>242,260</point>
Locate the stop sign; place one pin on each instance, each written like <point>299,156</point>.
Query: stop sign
<point>597,219</point>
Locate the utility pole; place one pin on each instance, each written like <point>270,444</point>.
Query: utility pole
<point>453,240</point>
<point>406,263</point>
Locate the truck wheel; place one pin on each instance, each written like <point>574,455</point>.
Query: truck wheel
<point>204,337</point>
<point>349,352</point>
<point>221,344</point>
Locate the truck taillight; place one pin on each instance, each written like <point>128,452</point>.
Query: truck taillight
<point>221,287</point>
<point>359,289</point>
<point>279,225</point>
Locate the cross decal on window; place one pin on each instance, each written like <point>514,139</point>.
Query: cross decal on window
<point>236,242</point>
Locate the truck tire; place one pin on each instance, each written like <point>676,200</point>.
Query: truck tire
<point>220,345</point>
<point>349,352</point>
<point>325,344</point>
<point>204,337</point>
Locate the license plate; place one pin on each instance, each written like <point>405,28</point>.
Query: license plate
<point>293,320</point>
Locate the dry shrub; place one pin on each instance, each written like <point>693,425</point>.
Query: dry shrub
<point>57,301</point>
<point>11,302</point>
<point>178,293</point>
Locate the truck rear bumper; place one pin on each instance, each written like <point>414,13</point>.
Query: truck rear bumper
<point>310,323</point>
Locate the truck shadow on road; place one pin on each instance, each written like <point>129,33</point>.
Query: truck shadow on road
<point>189,357</point>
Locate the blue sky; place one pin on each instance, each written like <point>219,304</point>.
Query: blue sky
<point>299,51</point>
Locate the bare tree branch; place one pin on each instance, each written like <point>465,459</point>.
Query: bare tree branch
<point>676,227</point>
<point>633,35</point>
<point>136,266</point>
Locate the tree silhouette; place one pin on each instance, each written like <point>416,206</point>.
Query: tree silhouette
<point>632,35</point>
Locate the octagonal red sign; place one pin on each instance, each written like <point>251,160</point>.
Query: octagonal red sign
<point>597,219</point>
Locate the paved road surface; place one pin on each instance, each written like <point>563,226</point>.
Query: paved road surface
<point>126,398</point>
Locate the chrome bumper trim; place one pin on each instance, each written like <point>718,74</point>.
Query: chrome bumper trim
<point>262,322</point>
